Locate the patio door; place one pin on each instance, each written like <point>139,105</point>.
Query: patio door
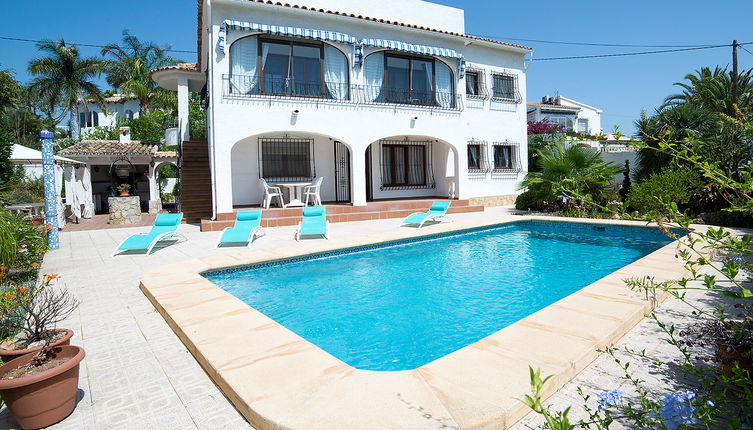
<point>342,173</point>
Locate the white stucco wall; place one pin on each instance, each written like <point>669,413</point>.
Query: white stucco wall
<point>416,12</point>
<point>237,122</point>
<point>108,117</point>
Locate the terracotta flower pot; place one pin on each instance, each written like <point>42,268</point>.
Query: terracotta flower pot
<point>124,194</point>
<point>44,398</point>
<point>10,354</point>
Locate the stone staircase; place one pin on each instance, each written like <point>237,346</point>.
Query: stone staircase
<point>276,217</point>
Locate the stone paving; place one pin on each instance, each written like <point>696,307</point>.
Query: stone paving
<point>138,375</point>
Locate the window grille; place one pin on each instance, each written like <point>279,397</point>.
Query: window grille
<point>505,87</point>
<point>406,165</point>
<point>475,84</point>
<point>506,157</point>
<point>286,159</point>
<point>477,159</point>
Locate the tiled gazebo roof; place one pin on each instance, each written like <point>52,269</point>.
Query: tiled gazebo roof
<point>114,147</point>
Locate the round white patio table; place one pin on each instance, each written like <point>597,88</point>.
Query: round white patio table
<point>295,192</point>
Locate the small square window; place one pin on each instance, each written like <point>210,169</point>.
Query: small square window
<point>475,161</point>
<point>503,157</point>
<point>472,84</point>
<point>503,87</point>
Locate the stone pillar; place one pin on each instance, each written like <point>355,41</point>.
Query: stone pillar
<point>50,189</point>
<point>183,108</point>
<point>124,210</point>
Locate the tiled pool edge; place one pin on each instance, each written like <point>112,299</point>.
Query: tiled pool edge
<point>278,380</point>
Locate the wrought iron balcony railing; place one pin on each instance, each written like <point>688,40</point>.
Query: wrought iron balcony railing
<point>248,86</point>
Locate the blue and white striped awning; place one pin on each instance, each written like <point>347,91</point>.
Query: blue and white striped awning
<point>281,30</point>
<point>409,47</point>
<point>334,36</point>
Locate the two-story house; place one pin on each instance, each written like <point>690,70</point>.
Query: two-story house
<point>384,100</point>
<point>116,107</point>
<point>574,115</point>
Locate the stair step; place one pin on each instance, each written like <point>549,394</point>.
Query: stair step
<point>292,216</point>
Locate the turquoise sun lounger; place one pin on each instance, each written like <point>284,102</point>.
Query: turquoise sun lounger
<point>436,212</point>
<point>247,226</point>
<point>165,226</point>
<point>314,223</point>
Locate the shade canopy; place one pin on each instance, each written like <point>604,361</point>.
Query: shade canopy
<point>24,155</point>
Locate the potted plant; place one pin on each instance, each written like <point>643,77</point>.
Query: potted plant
<point>40,386</point>
<point>123,190</point>
<point>32,314</point>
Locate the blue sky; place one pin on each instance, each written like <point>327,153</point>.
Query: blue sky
<point>622,86</point>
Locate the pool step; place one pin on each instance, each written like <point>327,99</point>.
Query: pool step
<point>276,217</point>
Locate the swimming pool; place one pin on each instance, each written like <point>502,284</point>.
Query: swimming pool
<point>400,306</point>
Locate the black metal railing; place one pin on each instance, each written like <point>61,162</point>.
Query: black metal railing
<point>264,86</point>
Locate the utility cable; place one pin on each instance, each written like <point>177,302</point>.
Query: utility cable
<point>625,54</point>
<point>613,45</point>
<point>18,39</point>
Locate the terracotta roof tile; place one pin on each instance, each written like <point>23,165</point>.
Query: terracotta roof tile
<point>551,106</point>
<point>112,147</point>
<point>349,15</point>
<point>193,67</point>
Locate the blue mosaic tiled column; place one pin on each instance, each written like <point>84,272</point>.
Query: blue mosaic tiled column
<point>50,189</point>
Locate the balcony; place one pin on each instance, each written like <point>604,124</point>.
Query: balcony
<point>250,86</point>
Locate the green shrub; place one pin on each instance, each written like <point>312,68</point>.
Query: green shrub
<point>22,245</point>
<point>102,133</point>
<point>533,199</point>
<point>669,185</point>
<point>23,191</point>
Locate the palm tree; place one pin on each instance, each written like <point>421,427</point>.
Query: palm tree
<point>129,68</point>
<point>712,89</point>
<point>676,123</point>
<point>65,79</point>
<point>573,170</point>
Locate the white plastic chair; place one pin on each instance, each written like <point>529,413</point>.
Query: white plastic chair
<point>312,191</point>
<point>270,193</point>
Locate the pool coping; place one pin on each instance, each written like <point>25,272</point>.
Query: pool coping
<point>278,380</point>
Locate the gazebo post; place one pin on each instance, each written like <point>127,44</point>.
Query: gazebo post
<point>50,191</point>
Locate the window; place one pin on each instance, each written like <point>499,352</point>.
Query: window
<point>404,165</point>
<point>280,67</point>
<point>583,125</point>
<point>412,80</point>
<point>286,159</point>
<point>129,114</point>
<point>503,87</point>
<point>88,119</point>
<point>477,157</point>
<point>505,157</point>
<point>562,119</point>
<point>472,84</point>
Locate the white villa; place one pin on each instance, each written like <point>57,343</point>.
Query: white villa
<point>383,100</point>
<point>116,107</point>
<point>575,115</point>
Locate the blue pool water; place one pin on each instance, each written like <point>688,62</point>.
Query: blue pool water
<point>402,306</point>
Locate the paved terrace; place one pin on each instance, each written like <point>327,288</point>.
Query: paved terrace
<point>137,373</point>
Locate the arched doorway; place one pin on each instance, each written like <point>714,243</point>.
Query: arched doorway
<point>411,167</point>
<point>290,157</point>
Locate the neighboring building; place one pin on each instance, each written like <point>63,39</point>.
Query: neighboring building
<point>108,163</point>
<point>116,107</point>
<point>387,99</point>
<point>574,115</point>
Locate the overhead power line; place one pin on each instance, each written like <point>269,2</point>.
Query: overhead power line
<point>18,39</point>
<point>626,54</point>
<point>613,45</point>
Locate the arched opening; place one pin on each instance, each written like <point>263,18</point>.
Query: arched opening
<point>411,166</point>
<point>398,77</point>
<point>168,185</point>
<point>288,158</point>
<point>287,66</point>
